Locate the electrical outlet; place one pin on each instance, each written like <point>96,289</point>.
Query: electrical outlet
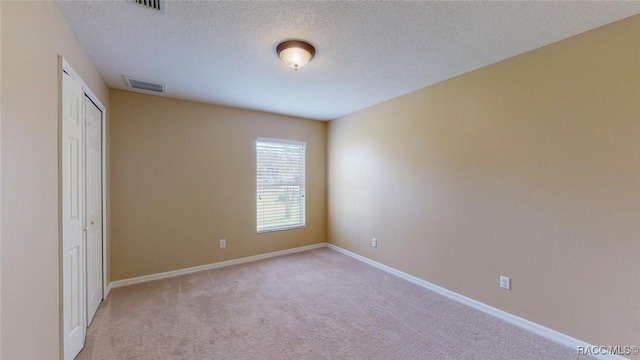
<point>223,243</point>
<point>374,242</point>
<point>505,282</point>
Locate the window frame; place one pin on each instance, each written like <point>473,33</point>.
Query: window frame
<point>302,192</point>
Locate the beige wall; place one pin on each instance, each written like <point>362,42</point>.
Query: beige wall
<point>183,177</point>
<point>33,34</point>
<point>0,185</point>
<point>526,168</point>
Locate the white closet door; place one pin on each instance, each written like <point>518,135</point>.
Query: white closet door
<point>73,267</point>
<point>93,194</point>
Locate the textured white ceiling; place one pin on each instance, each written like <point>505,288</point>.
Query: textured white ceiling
<point>367,52</point>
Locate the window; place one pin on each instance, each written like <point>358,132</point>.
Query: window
<point>280,184</point>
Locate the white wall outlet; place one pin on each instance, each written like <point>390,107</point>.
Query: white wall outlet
<point>223,243</point>
<point>374,242</point>
<point>505,282</point>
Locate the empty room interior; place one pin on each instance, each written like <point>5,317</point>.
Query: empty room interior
<point>319,180</point>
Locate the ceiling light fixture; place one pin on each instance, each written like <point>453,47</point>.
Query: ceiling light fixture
<point>295,53</point>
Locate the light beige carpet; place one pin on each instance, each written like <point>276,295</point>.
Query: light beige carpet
<point>318,304</point>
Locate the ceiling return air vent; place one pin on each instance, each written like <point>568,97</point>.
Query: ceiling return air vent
<point>146,85</point>
<point>155,5</point>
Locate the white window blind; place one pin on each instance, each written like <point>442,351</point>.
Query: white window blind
<point>280,184</point>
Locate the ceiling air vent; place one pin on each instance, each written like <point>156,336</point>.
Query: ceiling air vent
<point>145,85</point>
<point>156,5</point>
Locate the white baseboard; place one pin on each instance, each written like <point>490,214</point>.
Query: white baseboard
<point>170,274</point>
<point>487,309</point>
<point>107,291</point>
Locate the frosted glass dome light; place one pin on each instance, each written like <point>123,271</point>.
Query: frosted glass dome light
<point>295,53</point>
